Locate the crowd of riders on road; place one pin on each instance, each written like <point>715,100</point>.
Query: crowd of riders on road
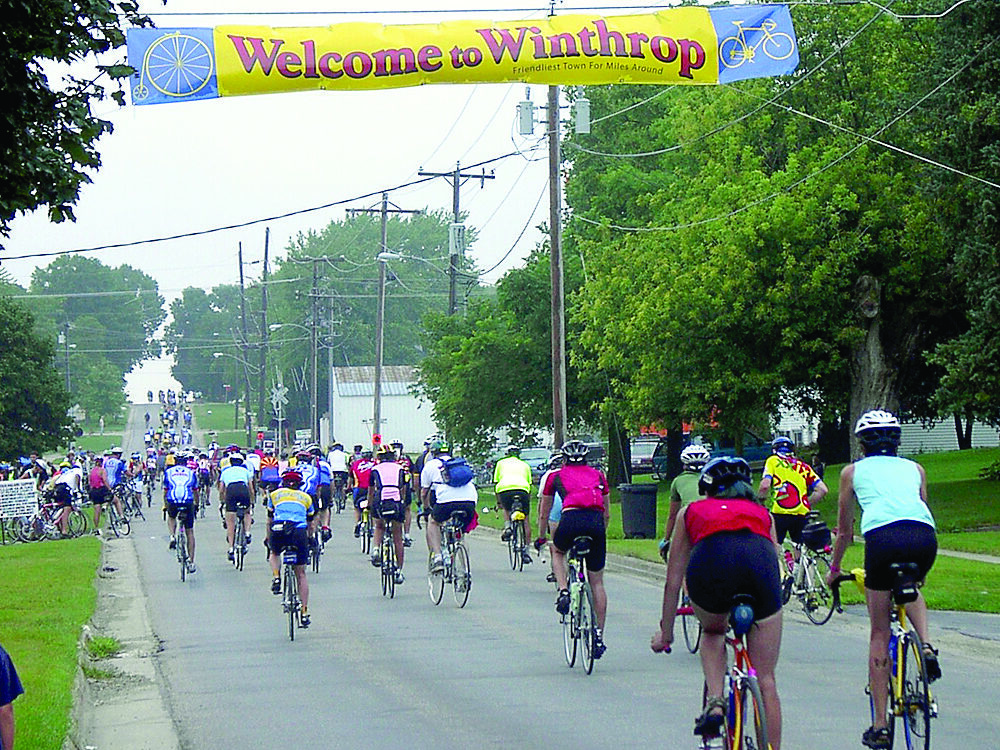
<point>723,537</point>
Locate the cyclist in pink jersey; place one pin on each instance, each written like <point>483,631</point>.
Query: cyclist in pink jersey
<point>585,512</point>
<point>385,497</point>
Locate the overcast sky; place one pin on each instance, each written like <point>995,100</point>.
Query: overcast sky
<point>175,168</point>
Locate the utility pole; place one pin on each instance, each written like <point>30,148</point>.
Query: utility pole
<point>313,350</point>
<point>556,274</point>
<point>243,345</point>
<point>262,377</point>
<point>456,178</point>
<point>380,309</point>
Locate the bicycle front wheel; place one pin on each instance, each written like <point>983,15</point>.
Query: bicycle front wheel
<point>691,625</point>
<point>750,724</point>
<point>917,708</point>
<point>587,626</point>
<point>461,575</point>
<point>817,601</point>
<point>76,523</point>
<point>512,548</point>
<point>570,637</point>
<point>435,581</point>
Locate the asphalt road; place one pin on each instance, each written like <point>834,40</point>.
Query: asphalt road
<point>376,673</point>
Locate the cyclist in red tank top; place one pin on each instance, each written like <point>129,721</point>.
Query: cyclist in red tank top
<point>722,546</point>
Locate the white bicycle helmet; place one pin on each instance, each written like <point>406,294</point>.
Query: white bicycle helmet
<point>694,457</point>
<point>575,452</point>
<point>875,419</point>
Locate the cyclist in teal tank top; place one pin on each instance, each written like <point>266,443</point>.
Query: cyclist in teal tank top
<point>898,528</point>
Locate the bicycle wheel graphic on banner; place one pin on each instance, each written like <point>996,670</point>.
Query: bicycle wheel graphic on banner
<point>175,65</point>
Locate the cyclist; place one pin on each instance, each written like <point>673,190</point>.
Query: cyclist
<point>99,490</point>
<point>358,482</point>
<point>389,480</point>
<point>512,478</point>
<point>64,484</point>
<point>291,513</point>
<point>418,467</point>
<point>324,494</point>
<point>684,489</point>
<point>136,471</point>
<point>898,527</point>
<point>236,488</point>
<point>151,465</point>
<point>792,487</point>
<point>270,477</point>
<point>179,483</point>
<point>338,468</point>
<point>585,512</point>
<point>723,546</point>
<point>442,499</point>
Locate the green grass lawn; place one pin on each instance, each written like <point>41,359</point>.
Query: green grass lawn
<point>44,607</point>
<point>216,420</point>
<point>98,443</point>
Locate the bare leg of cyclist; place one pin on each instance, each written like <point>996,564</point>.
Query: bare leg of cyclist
<point>433,536</point>
<point>377,540</point>
<point>559,567</point>
<point>190,538</point>
<point>230,529</point>
<point>763,644</point>
<point>713,648</point>
<point>916,613</point>
<point>300,575</point>
<point>596,578</point>
<point>397,542</point>
<point>878,652</point>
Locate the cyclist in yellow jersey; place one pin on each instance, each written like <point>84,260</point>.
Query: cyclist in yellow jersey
<point>512,478</point>
<point>792,487</point>
<point>170,459</point>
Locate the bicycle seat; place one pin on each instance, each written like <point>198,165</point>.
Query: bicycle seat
<point>580,546</point>
<point>906,579</point>
<point>741,616</point>
<point>459,518</point>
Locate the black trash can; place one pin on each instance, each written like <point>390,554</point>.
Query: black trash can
<point>639,510</point>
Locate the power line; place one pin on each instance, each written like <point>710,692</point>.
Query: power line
<point>244,224</point>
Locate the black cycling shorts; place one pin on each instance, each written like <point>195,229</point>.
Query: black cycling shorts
<point>442,511</point>
<point>729,563</point>
<point>99,495</point>
<point>507,498</point>
<point>63,495</point>
<point>899,542</point>
<point>187,520</point>
<point>583,522</point>
<point>237,496</point>
<point>289,536</point>
<point>788,523</point>
<point>324,497</point>
<point>389,510</point>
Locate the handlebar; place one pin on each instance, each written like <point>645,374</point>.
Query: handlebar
<point>835,588</point>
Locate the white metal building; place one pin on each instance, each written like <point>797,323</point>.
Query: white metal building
<point>404,416</point>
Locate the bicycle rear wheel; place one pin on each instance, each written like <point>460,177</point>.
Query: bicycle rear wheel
<point>690,624</point>
<point>239,544</point>
<point>291,599</point>
<point>435,581</point>
<point>817,601</point>
<point>182,554</point>
<point>917,709</point>
<point>461,574</point>
<point>587,626</point>
<point>76,523</point>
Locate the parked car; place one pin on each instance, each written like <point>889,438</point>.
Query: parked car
<point>755,451</point>
<point>642,450</point>
<point>538,459</point>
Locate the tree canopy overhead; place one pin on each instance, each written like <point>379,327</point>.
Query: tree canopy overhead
<point>49,133</point>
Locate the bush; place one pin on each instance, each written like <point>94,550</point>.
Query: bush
<point>991,472</point>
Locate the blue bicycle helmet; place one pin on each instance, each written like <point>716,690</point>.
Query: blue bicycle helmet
<point>783,446</point>
<point>722,473</point>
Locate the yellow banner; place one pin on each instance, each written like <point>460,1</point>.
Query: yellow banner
<point>689,45</point>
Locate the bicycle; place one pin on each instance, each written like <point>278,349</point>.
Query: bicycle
<point>387,554</point>
<point>806,579</point>
<point>118,522</point>
<point>367,531</point>
<point>736,50</point>
<point>339,498</point>
<point>516,543</point>
<point>580,623</point>
<point>456,570</point>
<point>315,552</point>
<point>291,602</point>
<point>742,697</point>
<point>182,541</point>
<point>910,698</point>
<point>239,538</point>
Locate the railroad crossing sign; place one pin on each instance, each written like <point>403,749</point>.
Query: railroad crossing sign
<point>279,396</point>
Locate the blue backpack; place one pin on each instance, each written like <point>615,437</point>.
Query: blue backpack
<point>456,472</point>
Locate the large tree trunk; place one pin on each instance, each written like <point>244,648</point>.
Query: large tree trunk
<point>963,433</point>
<point>874,379</point>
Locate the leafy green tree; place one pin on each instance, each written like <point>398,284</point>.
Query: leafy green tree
<point>76,292</point>
<point>100,390</point>
<point>33,400</point>
<point>204,324</point>
<point>49,133</point>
